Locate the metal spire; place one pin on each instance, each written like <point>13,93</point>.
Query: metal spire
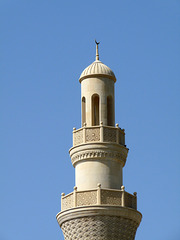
<point>97,50</point>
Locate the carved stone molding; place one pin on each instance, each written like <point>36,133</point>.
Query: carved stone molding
<point>104,211</point>
<point>98,134</point>
<point>100,155</point>
<point>92,135</point>
<point>110,134</point>
<point>99,227</point>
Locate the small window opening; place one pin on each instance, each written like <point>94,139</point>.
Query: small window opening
<point>95,110</point>
<point>109,111</point>
<point>83,110</point>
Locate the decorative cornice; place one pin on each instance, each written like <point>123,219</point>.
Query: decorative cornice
<point>99,151</point>
<point>85,211</point>
<point>100,155</point>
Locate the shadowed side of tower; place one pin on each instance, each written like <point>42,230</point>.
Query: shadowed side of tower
<point>99,208</point>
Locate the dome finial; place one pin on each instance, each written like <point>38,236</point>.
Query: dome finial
<point>97,50</point>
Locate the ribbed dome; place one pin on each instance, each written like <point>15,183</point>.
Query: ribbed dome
<point>97,68</point>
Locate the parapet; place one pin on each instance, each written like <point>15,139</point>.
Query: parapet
<point>99,196</point>
<point>100,133</point>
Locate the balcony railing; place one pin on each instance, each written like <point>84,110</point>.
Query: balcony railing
<point>98,197</point>
<point>99,134</point>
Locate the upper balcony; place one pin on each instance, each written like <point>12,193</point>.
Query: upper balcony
<point>105,134</point>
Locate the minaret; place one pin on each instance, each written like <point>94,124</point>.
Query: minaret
<point>99,208</point>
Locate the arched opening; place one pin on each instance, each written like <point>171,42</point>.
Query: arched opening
<point>110,111</point>
<point>95,110</point>
<point>83,109</point>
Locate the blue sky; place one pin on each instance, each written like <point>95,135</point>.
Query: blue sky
<point>45,45</point>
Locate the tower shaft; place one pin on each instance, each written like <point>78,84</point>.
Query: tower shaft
<point>99,207</point>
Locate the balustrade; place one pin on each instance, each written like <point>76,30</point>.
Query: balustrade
<point>98,134</point>
<point>98,196</point>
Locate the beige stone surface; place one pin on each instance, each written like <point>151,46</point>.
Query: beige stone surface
<point>98,163</point>
<point>97,68</point>
<point>103,87</point>
<point>90,173</point>
<point>99,222</point>
<point>99,208</point>
<point>98,196</point>
<point>101,133</point>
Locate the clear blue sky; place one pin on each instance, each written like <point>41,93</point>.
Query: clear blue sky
<point>44,47</point>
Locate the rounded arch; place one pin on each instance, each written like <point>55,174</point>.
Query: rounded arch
<point>95,109</point>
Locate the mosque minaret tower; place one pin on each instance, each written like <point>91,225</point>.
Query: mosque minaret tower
<point>99,208</point>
